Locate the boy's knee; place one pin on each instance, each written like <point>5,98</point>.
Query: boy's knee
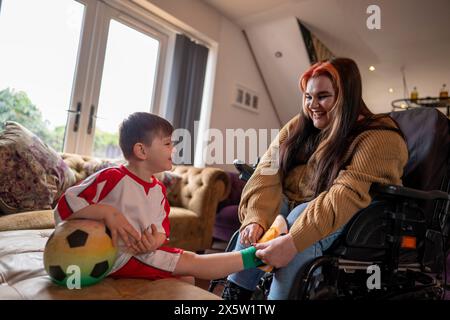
<point>188,279</point>
<point>189,256</point>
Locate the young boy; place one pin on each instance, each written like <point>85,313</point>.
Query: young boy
<point>133,205</point>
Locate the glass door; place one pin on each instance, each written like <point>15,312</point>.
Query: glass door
<point>124,71</point>
<point>71,71</point>
<point>127,84</point>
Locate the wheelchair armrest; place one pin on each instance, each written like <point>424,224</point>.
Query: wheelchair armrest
<point>409,192</point>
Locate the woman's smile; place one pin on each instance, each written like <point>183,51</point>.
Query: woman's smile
<point>319,100</point>
<point>318,114</point>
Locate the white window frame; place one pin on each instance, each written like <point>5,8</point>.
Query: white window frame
<point>89,68</point>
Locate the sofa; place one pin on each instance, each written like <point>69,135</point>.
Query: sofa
<point>22,276</point>
<point>23,236</point>
<point>192,212</point>
<point>227,220</point>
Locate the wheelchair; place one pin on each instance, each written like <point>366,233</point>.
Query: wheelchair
<point>397,247</point>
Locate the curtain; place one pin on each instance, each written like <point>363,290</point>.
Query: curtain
<point>186,90</point>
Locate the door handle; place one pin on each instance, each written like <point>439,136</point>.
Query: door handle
<point>77,117</point>
<point>91,119</point>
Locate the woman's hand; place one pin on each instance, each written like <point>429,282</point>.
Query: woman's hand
<point>251,233</point>
<point>121,228</point>
<point>277,252</point>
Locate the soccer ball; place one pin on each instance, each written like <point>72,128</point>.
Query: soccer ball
<point>79,248</point>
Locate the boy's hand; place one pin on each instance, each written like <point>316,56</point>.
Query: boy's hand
<point>120,227</point>
<point>150,241</point>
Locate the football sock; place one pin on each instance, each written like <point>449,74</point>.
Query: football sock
<point>249,258</point>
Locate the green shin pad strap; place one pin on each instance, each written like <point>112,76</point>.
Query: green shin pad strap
<point>249,259</point>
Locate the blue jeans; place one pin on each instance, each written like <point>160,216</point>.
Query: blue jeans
<point>284,277</point>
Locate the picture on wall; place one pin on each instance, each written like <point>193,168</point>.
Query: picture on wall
<point>317,51</point>
<point>245,98</point>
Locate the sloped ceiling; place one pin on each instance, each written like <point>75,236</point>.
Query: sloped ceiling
<point>414,35</point>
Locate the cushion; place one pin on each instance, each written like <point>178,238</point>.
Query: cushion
<point>22,276</point>
<point>33,175</point>
<point>227,222</point>
<point>42,219</point>
<point>237,185</point>
<point>172,182</point>
<point>84,166</point>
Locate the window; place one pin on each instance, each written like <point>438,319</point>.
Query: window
<point>127,84</point>
<point>37,63</point>
<point>72,70</point>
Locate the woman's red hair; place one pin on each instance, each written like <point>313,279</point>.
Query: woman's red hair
<point>319,69</point>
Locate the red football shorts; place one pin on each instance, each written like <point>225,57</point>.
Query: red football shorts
<point>137,269</point>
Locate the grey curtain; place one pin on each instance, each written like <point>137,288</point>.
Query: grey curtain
<point>186,89</point>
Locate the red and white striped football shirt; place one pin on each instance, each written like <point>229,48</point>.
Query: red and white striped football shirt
<point>142,203</point>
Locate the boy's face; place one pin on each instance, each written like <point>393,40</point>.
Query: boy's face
<point>159,155</point>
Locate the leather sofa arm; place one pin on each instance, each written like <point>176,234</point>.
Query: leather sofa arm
<point>202,188</point>
<point>200,192</point>
<point>42,219</point>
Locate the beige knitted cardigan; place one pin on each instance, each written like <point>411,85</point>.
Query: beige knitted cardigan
<point>373,156</point>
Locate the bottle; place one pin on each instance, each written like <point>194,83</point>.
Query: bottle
<point>443,94</point>
<point>414,95</point>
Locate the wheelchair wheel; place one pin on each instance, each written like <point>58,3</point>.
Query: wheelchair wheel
<point>316,280</point>
<point>324,292</point>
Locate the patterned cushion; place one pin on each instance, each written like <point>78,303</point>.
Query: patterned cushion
<point>33,175</point>
<point>84,166</point>
<point>172,182</point>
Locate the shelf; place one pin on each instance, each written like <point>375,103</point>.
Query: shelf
<point>427,102</point>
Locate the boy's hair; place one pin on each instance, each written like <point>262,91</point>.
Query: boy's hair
<point>141,127</point>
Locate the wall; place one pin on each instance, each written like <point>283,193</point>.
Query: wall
<point>190,15</point>
<point>235,65</point>
<point>281,73</point>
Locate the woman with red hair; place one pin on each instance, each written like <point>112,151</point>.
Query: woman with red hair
<point>329,156</point>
